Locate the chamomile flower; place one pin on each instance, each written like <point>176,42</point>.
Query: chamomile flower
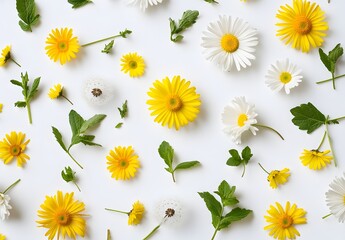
<point>335,198</point>
<point>4,206</point>
<point>144,4</point>
<point>283,74</point>
<point>97,92</point>
<point>230,42</point>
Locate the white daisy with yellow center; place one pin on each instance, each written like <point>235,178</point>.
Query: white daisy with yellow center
<point>230,41</point>
<point>143,4</point>
<point>283,74</point>
<point>335,198</point>
<point>238,118</point>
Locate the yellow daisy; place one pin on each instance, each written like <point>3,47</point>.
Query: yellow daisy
<point>277,177</point>
<point>13,146</point>
<point>173,102</point>
<point>62,216</point>
<point>123,163</point>
<point>56,92</point>
<point>315,159</point>
<point>2,237</point>
<point>302,25</point>
<point>1,106</point>
<point>6,56</point>
<point>136,214</point>
<point>282,222</point>
<point>134,64</point>
<point>61,45</point>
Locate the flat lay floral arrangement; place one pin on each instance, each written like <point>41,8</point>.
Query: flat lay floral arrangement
<point>164,119</point>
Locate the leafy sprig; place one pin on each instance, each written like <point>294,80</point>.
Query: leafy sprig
<point>123,113</point>
<point>27,91</point>
<point>166,152</point>
<point>188,19</point>
<point>122,34</point>
<point>330,62</point>
<point>211,1</point>
<point>308,118</point>
<point>27,13</point>
<point>79,127</point>
<point>220,219</point>
<point>69,176</point>
<point>108,47</point>
<point>78,3</point>
<point>236,159</point>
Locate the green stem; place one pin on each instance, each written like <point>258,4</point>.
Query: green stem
<point>152,232</point>
<point>67,99</point>
<point>244,169</point>
<point>108,235</point>
<point>77,186</point>
<point>217,228</point>
<point>11,186</point>
<point>101,40</point>
<point>269,128</point>
<point>330,79</point>
<point>323,139</point>
<point>29,111</point>
<point>74,159</point>
<point>173,176</point>
<point>337,119</point>
<point>333,81</point>
<point>15,62</point>
<point>326,216</point>
<point>330,142</point>
<point>113,210</point>
<point>264,169</point>
<point>214,234</point>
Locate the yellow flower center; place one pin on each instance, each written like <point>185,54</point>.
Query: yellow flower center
<point>174,103</point>
<point>286,221</point>
<point>63,46</point>
<point>133,64</point>
<point>242,119</point>
<point>285,77</point>
<point>62,218</point>
<point>124,163</point>
<point>302,25</point>
<point>229,43</point>
<point>15,150</point>
<point>272,175</point>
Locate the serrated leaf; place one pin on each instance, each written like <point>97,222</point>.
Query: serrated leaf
<point>226,193</point>
<point>108,47</point>
<point>235,159</point>
<point>78,3</point>
<point>75,121</point>
<point>246,154</point>
<point>186,165</point>
<point>119,125</point>
<point>325,60</point>
<point>92,122</point>
<point>213,206</point>
<point>166,152</point>
<point>58,138</point>
<point>307,117</point>
<point>125,33</point>
<point>27,13</point>
<point>20,104</point>
<point>123,111</point>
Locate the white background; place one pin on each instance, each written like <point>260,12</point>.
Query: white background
<point>202,140</point>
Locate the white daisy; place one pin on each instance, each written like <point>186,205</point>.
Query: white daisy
<point>335,198</point>
<point>143,4</point>
<point>238,118</point>
<point>97,92</point>
<point>230,41</point>
<point>283,74</point>
<point>4,206</point>
<point>169,212</point>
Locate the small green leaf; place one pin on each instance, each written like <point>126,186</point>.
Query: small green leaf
<point>68,174</point>
<point>34,88</point>
<point>186,165</point>
<point>79,3</point>
<point>335,53</point>
<point>178,38</point>
<point>15,82</point>
<point>125,33</point>
<point>188,19</point>
<point>211,1</point>
<point>235,159</point>
<point>307,117</point>
<point>27,13</point>
<point>325,60</point>
<point>92,122</point>
<point>119,125</point>
<point>172,25</point>
<point>246,154</point>
<point>226,193</point>
<point>237,214</point>
<point>123,111</point>
<point>213,206</point>
<point>58,137</point>
<point>75,121</point>
<point>108,47</point>
<point>166,152</point>
<point>20,104</point>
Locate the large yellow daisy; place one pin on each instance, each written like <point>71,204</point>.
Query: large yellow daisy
<point>282,222</point>
<point>123,163</point>
<point>133,64</point>
<point>302,25</point>
<point>62,216</point>
<point>173,102</point>
<point>61,45</point>
<point>13,146</point>
<point>315,159</point>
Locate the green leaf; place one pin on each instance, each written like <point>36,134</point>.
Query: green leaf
<point>230,201</point>
<point>92,122</point>
<point>237,214</point>
<point>211,1</point>
<point>58,138</point>
<point>68,174</point>
<point>335,53</point>
<point>246,154</point>
<point>186,165</point>
<point>15,82</point>
<point>75,121</point>
<point>188,19</point>
<point>307,117</point>
<point>79,3</point>
<point>226,193</point>
<point>235,159</point>
<point>178,38</point>
<point>20,104</point>
<point>325,60</point>
<point>213,206</point>
<point>27,13</point>
<point>167,153</point>
<point>88,140</point>
<point>119,125</point>
<point>125,33</point>
<point>123,111</point>
<point>34,88</point>
<point>108,47</point>
<point>172,25</point>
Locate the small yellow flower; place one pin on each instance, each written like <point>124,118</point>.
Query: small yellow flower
<point>136,214</point>
<point>282,222</point>
<point>1,106</point>
<point>56,92</point>
<point>134,64</point>
<point>61,45</point>
<point>123,163</point>
<point>6,56</point>
<point>277,177</point>
<point>13,146</point>
<point>2,237</point>
<point>315,159</point>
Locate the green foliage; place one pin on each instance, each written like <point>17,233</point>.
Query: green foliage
<point>78,3</point>
<point>27,13</point>
<point>108,47</point>
<point>331,59</point>
<point>124,110</point>
<point>211,1</point>
<point>69,176</point>
<point>188,19</point>
<point>166,152</point>
<point>125,33</point>
<point>119,125</point>
<point>236,159</point>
